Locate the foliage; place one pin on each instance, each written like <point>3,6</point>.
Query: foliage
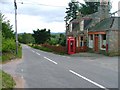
<point>57,39</point>
<point>8,45</point>
<point>0,41</point>
<point>51,48</point>
<point>89,7</point>
<point>26,38</point>
<point>72,10</point>
<point>85,9</point>
<point>7,31</point>
<point>7,81</point>
<point>41,48</point>
<point>6,56</point>
<point>41,36</point>
<point>8,40</point>
<point>62,40</point>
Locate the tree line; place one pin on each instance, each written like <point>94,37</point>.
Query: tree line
<point>41,36</point>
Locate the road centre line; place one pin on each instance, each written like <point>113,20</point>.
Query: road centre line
<point>37,53</point>
<point>88,80</point>
<point>51,60</point>
<point>33,51</point>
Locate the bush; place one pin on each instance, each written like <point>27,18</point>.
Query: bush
<point>8,45</point>
<point>42,48</point>
<point>51,48</point>
<point>9,50</point>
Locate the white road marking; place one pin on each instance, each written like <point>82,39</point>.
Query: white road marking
<point>22,70</point>
<point>65,56</point>
<point>88,80</point>
<point>68,57</point>
<point>50,60</point>
<point>37,53</point>
<point>33,51</point>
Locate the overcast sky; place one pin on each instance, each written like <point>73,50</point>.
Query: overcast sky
<point>33,14</point>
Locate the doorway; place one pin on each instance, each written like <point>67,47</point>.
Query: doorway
<point>96,43</point>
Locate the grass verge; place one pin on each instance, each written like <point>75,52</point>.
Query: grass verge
<point>6,81</point>
<point>6,56</point>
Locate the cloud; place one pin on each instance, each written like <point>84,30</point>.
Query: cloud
<point>33,14</point>
<point>26,23</point>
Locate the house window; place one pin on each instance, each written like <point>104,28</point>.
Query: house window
<point>75,26</point>
<point>104,36</point>
<point>81,41</point>
<point>90,41</point>
<point>91,37</point>
<point>103,41</point>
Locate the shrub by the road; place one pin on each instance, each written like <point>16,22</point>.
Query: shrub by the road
<point>41,48</point>
<point>9,50</point>
<point>8,45</point>
<point>50,48</point>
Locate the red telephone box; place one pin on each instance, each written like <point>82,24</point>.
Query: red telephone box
<point>71,45</point>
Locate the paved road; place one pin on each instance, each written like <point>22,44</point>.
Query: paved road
<point>46,70</point>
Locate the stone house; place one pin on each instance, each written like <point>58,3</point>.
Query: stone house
<point>103,37</point>
<point>98,31</point>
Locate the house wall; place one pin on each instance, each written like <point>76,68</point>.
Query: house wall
<point>112,41</point>
<point>100,43</point>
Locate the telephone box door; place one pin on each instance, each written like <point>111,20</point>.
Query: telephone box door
<point>71,45</point>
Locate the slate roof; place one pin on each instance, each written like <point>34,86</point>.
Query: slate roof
<point>112,23</point>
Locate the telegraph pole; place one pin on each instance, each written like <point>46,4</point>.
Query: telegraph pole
<point>15,6</point>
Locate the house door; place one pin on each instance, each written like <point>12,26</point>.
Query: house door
<point>96,43</point>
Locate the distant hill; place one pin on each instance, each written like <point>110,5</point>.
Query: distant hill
<point>58,33</point>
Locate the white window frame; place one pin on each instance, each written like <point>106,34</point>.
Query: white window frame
<point>102,42</point>
<point>91,41</point>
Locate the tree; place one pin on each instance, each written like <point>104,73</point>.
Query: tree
<point>72,10</point>
<point>7,31</point>
<point>8,40</point>
<point>6,27</point>
<point>53,39</point>
<point>62,39</point>
<point>85,9</point>
<point>26,38</point>
<point>89,7</point>
<point>41,36</point>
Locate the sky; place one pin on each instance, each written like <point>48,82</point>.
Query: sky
<point>39,14</point>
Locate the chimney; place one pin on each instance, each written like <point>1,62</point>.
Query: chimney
<point>103,9</point>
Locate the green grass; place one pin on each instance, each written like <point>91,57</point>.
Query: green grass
<point>6,81</point>
<point>6,56</point>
